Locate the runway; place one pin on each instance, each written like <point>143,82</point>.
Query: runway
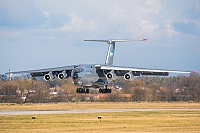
<point>37,112</point>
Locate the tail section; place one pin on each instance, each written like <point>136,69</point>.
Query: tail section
<point>110,53</point>
<point>111,48</point>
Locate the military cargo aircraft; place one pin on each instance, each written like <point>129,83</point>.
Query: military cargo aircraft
<point>97,76</point>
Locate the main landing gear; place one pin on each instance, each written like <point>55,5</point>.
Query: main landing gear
<point>86,91</point>
<point>82,90</point>
<point>105,90</point>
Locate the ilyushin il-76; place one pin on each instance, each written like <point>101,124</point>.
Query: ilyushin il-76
<point>97,76</point>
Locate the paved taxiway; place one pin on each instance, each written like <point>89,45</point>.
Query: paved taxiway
<point>36,112</point>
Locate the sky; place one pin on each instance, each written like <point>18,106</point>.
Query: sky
<point>37,34</point>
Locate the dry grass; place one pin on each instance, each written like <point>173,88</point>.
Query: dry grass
<point>94,105</point>
<point>150,121</point>
<point>139,121</point>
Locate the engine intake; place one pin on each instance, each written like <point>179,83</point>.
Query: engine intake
<point>48,76</point>
<point>128,76</point>
<point>62,75</point>
<point>109,75</point>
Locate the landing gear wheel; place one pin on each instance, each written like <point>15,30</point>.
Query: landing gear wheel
<point>106,90</point>
<point>82,90</point>
<point>78,90</point>
<point>87,91</point>
<point>100,90</point>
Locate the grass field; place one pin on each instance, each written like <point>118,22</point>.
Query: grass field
<point>138,121</point>
<point>97,105</point>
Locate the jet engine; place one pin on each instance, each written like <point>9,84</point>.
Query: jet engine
<point>62,75</point>
<point>48,76</point>
<point>111,75</point>
<point>128,76</point>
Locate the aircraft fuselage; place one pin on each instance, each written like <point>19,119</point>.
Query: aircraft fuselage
<point>88,76</point>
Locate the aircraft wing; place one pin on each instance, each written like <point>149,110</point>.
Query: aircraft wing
<point>42,72</point>
<point>120,70</point>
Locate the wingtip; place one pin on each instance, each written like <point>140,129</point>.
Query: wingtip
<point>144,39</point>
<point>193,72</point>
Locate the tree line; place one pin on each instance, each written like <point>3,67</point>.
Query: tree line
<point>145,88</point>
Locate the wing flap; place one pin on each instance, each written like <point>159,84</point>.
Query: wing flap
<point>42,72</point>
<point>141,71</point>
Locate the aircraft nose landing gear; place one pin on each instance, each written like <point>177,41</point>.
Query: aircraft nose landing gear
<point>82,90</point>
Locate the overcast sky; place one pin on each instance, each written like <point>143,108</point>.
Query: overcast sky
<point>38,34</point>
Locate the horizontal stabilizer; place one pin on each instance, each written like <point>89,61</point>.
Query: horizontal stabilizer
<point>111,47</point>
<point>117,40</point>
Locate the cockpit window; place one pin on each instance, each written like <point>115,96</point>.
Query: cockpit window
<point>78,70</point>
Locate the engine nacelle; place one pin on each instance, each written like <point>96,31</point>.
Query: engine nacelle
<point>128,76</point>
<point>62,75</point>
<point>48,76</point>
<point>111,75</point>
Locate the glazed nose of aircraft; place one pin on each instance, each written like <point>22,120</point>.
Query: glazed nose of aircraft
<point>75,75</point>
<point>76,71</point>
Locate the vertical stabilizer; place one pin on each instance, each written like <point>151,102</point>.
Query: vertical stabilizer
<point>111,47</point>
<point>110,53</point>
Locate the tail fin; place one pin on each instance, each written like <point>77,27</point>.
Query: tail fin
<point>111,48</point>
